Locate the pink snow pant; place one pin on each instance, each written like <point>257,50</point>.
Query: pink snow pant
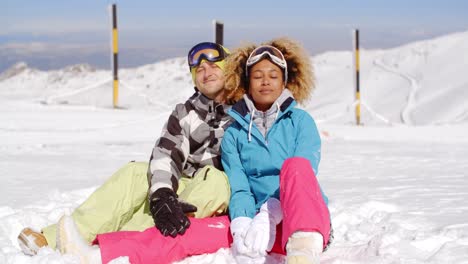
<point>302,203</point>
<point>205,235</point>
<point>303,210</point>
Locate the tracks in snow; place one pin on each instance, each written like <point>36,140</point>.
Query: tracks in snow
<point>411,101</point>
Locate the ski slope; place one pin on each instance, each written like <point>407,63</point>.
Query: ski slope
<point>397,185</point>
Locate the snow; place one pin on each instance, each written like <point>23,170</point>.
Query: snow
<point>397,185</point>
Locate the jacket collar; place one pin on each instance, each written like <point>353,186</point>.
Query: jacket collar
<point>242,109</point>
<point>204,105</point>
<point>241,113</point>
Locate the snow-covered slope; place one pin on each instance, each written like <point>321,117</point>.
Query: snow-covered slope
<point>417,84</point>
<point>397,185</point>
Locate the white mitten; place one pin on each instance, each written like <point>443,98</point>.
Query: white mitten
<point>239,228</point>
<point>242,254</point>
<point>260,236</point>
<point>248,259</point>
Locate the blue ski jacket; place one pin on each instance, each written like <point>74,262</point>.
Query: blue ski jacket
<point>253,162</point>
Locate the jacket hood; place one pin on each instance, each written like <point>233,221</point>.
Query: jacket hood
<point>265,120</point>
<point>245,107</point>
<point>241,109</point>
<point>275,107</point>
<point>301,80</point>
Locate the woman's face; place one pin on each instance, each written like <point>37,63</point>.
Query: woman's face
<point>265,84</point>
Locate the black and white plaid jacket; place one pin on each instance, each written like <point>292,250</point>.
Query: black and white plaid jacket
<point>189,141</point>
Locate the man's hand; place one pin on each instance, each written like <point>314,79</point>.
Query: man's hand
<point>168,213</point>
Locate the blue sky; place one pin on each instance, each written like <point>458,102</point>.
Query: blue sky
<point>51,34</point>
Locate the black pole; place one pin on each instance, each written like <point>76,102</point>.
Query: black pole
<point>219,32</point>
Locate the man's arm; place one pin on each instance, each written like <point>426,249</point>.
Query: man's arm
<point>165,169</point>
<point>170,153</point>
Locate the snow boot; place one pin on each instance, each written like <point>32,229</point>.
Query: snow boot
<point>31,241</point>
<point>70,241</point>
<point>304,248</point>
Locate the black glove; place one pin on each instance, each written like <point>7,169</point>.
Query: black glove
<point>169,213</point>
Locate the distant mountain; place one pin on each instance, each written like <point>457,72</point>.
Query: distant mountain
<point>420,83</point>
<point>14,70</point>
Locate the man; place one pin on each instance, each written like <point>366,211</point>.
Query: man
<point>183,176</point>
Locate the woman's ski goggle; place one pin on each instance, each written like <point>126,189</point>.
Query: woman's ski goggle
<point>209,51</point>
<point>273,53</point>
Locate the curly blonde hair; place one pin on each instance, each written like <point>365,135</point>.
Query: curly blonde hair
<point>301,81</point>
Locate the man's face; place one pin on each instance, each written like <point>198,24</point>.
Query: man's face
<point>209,79</point>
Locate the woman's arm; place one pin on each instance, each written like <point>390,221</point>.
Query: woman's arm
<point>308,144</point>
<point>242,202</point>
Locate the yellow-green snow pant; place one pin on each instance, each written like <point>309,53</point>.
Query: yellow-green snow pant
<point>121,203</point>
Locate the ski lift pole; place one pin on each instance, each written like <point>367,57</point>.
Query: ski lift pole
<point>115,51</point>
<point>358,95</point>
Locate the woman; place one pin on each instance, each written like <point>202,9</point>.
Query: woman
<point>271,155</point>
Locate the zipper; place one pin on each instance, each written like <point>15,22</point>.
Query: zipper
<point>264,123</point>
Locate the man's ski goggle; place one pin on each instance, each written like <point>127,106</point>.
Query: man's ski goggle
<point>209,51</point>
<point>273,53</point>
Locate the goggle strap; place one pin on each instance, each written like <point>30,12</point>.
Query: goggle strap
<point>279,61</point>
